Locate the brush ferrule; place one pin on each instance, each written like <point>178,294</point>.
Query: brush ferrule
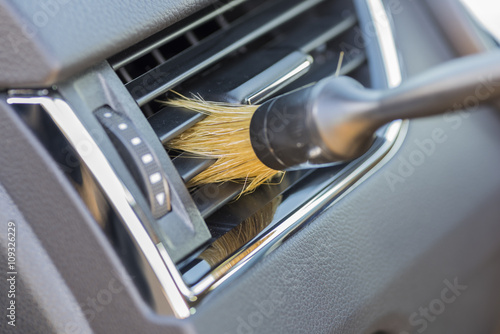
<point>284,134</point>
<point>321,124</point>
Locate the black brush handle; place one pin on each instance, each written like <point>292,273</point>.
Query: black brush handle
<point>336,119</point>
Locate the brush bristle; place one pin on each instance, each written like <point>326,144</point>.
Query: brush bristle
<point>222,135</point>
<point>240,235</point>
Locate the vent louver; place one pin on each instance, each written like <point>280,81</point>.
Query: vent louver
<point>245,52</point>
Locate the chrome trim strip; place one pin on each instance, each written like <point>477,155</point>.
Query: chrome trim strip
<point>386,41</point>
<point>119,196</point>
<point>182,299</point>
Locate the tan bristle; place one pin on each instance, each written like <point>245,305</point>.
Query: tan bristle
<point>240,235</point>
<point>222,135</point>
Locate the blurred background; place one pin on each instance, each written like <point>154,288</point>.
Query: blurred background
<point>487,12</point>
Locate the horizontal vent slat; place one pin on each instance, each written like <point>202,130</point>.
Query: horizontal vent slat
<point>348,66</point>
<point>208,204</point>
<point>330,32</point>
<point>189,167</point>
<point>352,65</point>
<point>169,34</point>
<point>170,122</point>
<point>209,201</point>
<point>283,56</point>
<point>163,77</point>
<point>321,31</point>
<point>211,197</point>
<point>261,72</point>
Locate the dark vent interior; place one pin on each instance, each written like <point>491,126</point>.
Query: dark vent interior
<point>243,52</point>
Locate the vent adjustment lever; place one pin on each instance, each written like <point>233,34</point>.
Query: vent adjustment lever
<point>139,157</point>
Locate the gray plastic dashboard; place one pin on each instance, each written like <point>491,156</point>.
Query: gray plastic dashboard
<point>44,42</point>
<point>366,265</point>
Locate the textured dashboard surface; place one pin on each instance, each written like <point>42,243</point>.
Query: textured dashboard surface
<point>43,303</point>
<point>381,253</point>
<point>47,41</point>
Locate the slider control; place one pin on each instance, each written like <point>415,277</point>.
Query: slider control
<point>139,158</point>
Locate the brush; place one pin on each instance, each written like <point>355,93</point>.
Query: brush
<point>226,128</point>
<point>334,120</point>
<point>221,136</point>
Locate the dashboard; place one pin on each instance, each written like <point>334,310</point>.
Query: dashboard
<point>103,232</point>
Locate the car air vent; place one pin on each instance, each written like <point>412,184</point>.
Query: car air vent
<point>180,245</point>
<point>243,52</point>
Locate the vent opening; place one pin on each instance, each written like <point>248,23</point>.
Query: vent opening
<point>243,51</point>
